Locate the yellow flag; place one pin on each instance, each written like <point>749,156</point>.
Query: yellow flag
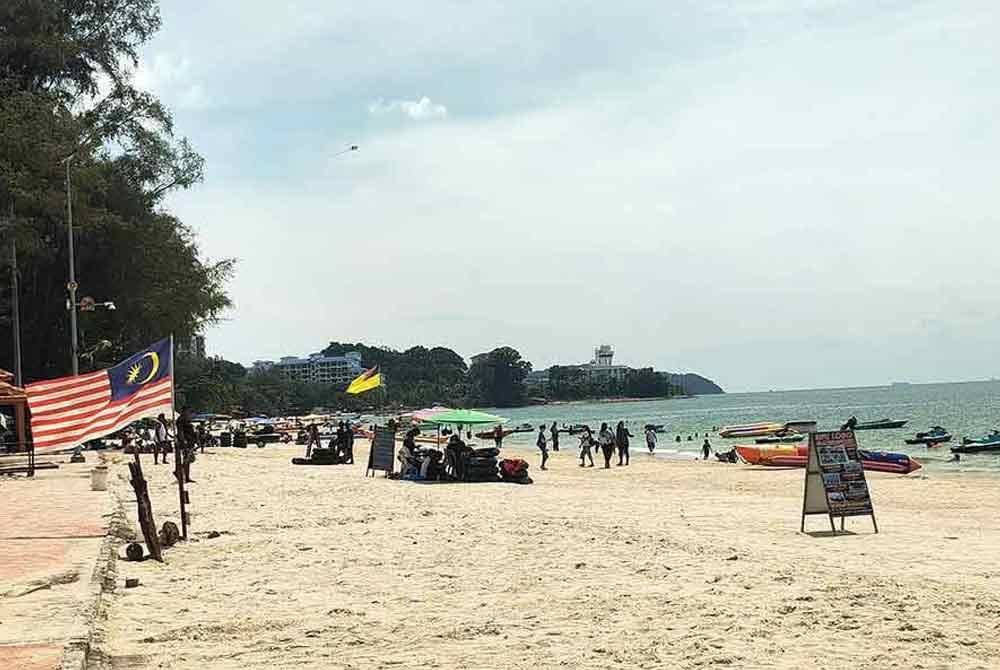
<point>366,381</point>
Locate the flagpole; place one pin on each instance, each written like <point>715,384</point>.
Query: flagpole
<point>173,392</point>
<point>179,471</point>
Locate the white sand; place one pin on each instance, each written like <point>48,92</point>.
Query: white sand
<point>659,565</point>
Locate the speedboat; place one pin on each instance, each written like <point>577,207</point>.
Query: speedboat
<point>795,457</point>
<point>932,438</point>
<point>790,438</point>
<point>881,424</point>
<point>759,429</point>
<point>984,444</point>
<point>490,435</point>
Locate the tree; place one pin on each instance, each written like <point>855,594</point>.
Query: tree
<point>209,384</point>
<point>66,93</point>
<point>645,383</point>
<point>416,377</point>
<point>497,378</point>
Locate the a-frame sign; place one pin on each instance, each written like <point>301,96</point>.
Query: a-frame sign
<point>835,479</point>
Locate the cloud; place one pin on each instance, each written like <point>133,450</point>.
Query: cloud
<point>418,110</point>
<point>173,79</point>
<point>806,191</point>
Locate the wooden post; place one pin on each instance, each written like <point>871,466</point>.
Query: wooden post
<point>180,473</point>
<point>145,511</point>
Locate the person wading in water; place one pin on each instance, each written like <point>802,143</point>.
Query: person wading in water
<point>650,438</point>
<point>555,437</point>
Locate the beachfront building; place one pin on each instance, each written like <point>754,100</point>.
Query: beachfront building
<point>600,368</point>
<point>315,368</point>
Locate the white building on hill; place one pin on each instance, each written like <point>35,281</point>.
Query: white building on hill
<point>602,365</point>
<point>316,368</point>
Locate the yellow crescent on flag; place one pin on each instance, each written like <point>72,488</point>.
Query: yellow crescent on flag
<point>366,381</point>
<point>155,358</point>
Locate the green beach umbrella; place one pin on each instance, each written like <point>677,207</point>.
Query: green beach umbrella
<point>464,417</point>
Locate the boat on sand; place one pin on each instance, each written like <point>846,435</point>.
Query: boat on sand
<point>795,457</point>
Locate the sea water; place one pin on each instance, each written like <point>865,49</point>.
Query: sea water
<point>967,410</point>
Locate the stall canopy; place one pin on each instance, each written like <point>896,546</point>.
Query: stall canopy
<point>426,414</point>
<point>210,417</point>
<point>464,417</point>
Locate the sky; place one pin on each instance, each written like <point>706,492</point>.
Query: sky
<point>773,194</point>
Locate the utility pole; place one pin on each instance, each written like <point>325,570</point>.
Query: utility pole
<point>72,285</point>
<point>15,308</point>
<point>18,381</point>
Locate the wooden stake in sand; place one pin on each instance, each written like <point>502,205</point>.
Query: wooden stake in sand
<point>180,471</point>
<point>145,510</point>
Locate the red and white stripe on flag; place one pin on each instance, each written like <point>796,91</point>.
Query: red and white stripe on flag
<point>69,411</point>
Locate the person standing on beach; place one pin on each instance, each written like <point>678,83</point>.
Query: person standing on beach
<point>348,443</point>
<point>555,437</point>
<point>498,436</point>
<point>706,450</point>
<point>187,440</point>
<point>621,440</point>
<point>586,442</point>
<point>542,446</point>
<point>650,438</point>
<point>606,440</point>
<point>162,443</point>
<point>313,439</point>
<point>203,436</point>
<point>339,441</point>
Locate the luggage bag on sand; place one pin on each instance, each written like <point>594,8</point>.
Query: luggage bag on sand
<point>514,470</point>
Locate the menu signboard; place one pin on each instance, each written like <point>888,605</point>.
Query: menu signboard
<point>835,479</point>
<point>383,451</point>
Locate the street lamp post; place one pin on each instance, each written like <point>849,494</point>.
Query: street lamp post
<point>14,300</point>
<point>72,285</point>
<point>15,306</point>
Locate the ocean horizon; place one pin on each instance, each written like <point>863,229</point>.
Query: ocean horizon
<point>967,409</point>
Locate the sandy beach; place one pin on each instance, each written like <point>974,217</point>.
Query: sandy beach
<point>662,564</point>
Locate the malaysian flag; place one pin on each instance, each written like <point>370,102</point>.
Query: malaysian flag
<point>69,411</point>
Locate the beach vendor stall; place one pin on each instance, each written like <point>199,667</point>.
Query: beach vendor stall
<point>461,461</point>
<point>13,430</point>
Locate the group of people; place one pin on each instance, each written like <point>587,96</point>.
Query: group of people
<point>188,439</point>
<point>341,443</point>
<point>608,442</point>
